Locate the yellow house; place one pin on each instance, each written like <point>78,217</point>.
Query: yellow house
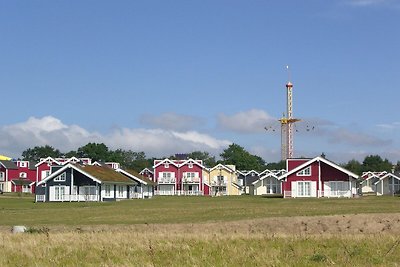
<point>222,180</point>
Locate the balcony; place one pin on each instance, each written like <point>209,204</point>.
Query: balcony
<point>191,180</point>
<point>166,180</point>
<point>218,183</point>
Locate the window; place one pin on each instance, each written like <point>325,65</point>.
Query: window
<point>45,173</point>
<point>190,165</point>
<point>59,192</point>
<point>2,176</point>
<point>166,165</point>
<point>22,175</point>
<point>166,175</point>
<point>107,190</point>
<point>252,174</point>
<point>61,178</point>
<point>121,191</point>
<point>26,189</point>
<point>304,189</point>
<point>305,172</point>
<point>23,164</point>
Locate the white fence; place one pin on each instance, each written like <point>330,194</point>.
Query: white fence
<point>178,193</point>
<point>345,193</point>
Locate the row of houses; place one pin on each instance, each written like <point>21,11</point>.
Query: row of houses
<point>76,179</point>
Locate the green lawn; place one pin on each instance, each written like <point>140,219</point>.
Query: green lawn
<point>22,210</point>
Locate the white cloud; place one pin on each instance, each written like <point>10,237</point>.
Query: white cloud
<point>51,131</point>
<point>171,121</point>
<point>344,136</point>
<point>251,121</point>
<point>366,3</point>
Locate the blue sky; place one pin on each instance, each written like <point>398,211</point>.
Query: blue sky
<point>170,77</point>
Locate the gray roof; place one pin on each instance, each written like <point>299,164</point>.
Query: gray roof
<point>8,164</point>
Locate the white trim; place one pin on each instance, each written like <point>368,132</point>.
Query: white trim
<point>303,171</point>
<point>146,169</point>
<point>164,161</point>
<point>46,160</point>
<point>69,165</point>
<point>191,161</point>
<point>386,176</point>
<point>131,176</point>
<point>295,170</point>
<point>219,166</point>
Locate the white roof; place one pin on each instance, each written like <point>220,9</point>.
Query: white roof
<point>309,162</point>
<point>222,166</point>
<point>61,170</point>
<point>386,176</point>
<point>46,160</point>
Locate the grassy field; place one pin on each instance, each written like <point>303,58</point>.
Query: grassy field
<point>15,210</point>
<point>202,231</point>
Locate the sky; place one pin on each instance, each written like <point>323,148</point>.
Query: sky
<point>167,77</point>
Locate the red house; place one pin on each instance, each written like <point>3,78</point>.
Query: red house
<point>317,177</point>
<point>179,177</point>
<point>17,176</point>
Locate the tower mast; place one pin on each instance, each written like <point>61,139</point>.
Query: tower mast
<point>287,123</point>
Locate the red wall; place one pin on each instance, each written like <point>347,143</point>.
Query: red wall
<point>287,185</point>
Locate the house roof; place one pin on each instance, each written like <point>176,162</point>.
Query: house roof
<point>270,173</point>
<point>46,160</point>
<point>166,161</point>
<point>192,161</point>
<point>221,166</point>
<point>96,173</point>
<point>318,159</point>
<point>146,169</point>
<point>8,164</point>
<point>386,176</point>
<point>136,176</point>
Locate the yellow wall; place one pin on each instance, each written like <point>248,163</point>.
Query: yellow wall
<point>230,177</point>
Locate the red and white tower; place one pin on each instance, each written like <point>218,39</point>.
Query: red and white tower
<point>287,123</point>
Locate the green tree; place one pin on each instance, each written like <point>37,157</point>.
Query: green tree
<point>95,151</point>
<point>376,163</point>
<point>207,159</point>
<point>242,159</point>
<point>277,165</point>
<point>38,152</point>
<point>354,166</point>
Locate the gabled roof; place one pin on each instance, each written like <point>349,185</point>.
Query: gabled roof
<point>271,173</point>
<point>8,164</point>
<point>47,160</point>
<point>136,176</point>
<point>317,159</point>
<point>146,169</point>
<point>96,173</point>
<point>222,166</point>
<point>386,176</point>
<point>191,161</point>
<point>166,161</point>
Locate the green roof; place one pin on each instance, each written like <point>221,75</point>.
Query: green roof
<point>141,177</point>
<point>104,174</point>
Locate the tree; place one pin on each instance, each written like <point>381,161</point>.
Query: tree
<point>377,164</point>
<point>207,159</point>
<point>277,165</point>
<point>354,166</point>
<point>95,151</point>
<point>242,159</point>
<point>38,152</point>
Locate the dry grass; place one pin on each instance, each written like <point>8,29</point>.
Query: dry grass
<point>148,248</point>
<point>247,231</point>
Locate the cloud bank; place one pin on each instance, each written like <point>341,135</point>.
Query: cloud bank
<point>154,142</point>
<point>251,121</point>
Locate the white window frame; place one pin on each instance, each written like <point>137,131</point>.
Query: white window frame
<point>304,172</point>
<point>23,175</point>
<point>120,190</point>
<point>166,165</point>
<point>23,164</point>
<point>190,165</point>
<point>303,187</point>
<point>107,190</point>
<point>61,178</point>
<point>2,176</point>
<point>59,192</point>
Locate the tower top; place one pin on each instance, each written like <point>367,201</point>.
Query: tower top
<point>289,85</point>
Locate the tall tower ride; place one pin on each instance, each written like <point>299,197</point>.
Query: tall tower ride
<point>287,123</point>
